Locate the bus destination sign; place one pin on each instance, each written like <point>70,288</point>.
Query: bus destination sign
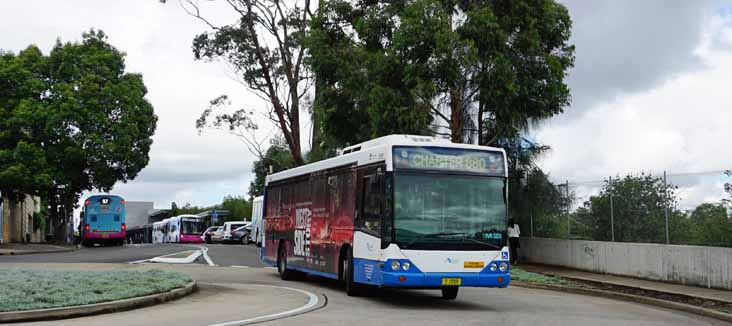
<point>449,159</point>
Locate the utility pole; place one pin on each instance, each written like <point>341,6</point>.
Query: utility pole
<point>612,217</point>
<point>665,204</point>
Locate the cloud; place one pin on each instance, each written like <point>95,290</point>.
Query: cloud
<point>184,166</point>
<point>679,124</point>
<point>629,46</point>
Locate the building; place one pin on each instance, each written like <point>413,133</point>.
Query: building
<point>137,213</point>
<point>16,220</point>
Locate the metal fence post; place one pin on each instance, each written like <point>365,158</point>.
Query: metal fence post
<point>665,204</point>
<point>569,223</point>
<point>531,224</point>
<point>612,217</point>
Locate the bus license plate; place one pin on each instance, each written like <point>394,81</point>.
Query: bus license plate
<point>451,281</point>
<point>105,235</point>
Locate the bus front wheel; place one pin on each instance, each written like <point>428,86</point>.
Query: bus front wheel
<point>353,289</point>
<point>450,292</point>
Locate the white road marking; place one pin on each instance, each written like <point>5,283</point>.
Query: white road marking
<point>187,260</point>
<point>312,302</point>
<point>239,266</point>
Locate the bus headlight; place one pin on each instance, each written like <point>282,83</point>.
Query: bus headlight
<point>394,265</point>
<point>493,267</point>
<point>503,267</point>
<point>406,265</point>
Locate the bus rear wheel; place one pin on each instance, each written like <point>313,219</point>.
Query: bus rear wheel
<point>450,292</point>
<point>285,273</point>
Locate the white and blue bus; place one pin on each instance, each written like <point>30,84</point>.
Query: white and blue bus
<point>398,211</point>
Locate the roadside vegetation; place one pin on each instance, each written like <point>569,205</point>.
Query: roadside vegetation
<point>28,289</point>
<point>521,275</point>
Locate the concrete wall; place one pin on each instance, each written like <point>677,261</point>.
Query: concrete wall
<point>692,265</point>
<point>137,212</point>
<point>17,220</point>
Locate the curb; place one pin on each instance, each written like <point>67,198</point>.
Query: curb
<point>630,297</point>
<point>317,301</point>
<point>97,308</point>
<point>31,252</point>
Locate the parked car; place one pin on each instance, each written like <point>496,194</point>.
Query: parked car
<point>241,234</point>
<point>229,227</point>
<point>209,235</point>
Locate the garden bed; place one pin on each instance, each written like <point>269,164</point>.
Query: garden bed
<point>30,289</point>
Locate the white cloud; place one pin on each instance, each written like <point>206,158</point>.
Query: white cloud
<point>184,167</point>
<point>681,125</point>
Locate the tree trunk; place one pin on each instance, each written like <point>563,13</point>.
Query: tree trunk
<point>457,115</point>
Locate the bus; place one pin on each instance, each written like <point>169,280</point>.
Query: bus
<point>256,234</point>
<point>185,229</point>
<point>398,211</point>
<point>160,231</point>
<point>103,220</point>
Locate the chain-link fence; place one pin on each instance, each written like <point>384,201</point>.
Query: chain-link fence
<point>681,208</point>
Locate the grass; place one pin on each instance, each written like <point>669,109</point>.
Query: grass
<point>26,289</point>
<point>518,274</point>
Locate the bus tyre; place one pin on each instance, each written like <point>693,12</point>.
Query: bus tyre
<point>450,292</point>
<point>285,273</point>
<point>353,289</point>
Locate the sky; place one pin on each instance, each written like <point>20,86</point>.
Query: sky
<point>650,92</point>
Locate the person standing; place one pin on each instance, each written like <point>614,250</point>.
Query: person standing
<point>513,240</point>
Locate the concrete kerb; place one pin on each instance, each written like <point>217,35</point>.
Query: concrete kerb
<point>630,297</point>
<point>97,308</point>
<point>12,252</point>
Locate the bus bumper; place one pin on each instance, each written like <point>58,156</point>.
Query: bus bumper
<point>435,280</point>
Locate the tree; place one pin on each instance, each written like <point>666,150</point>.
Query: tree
<point>275,73</point>
<point>638,211</point>
<point>538,200</point>
<point>502,61</point>
<point>88,118</point>
<point>23,166</point>
<point>277,158</point>
<point>711,225</point>
<point>239,208</point>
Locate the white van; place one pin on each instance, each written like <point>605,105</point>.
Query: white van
<point>257,221</point>
<point>231,226</point>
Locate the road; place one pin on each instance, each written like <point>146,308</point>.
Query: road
<point>227,294</point>
<point>221,254</point>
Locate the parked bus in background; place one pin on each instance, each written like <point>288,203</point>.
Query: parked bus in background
<point>256,234</point>
<point>397,211</point>
<point>185,229</point>
<point>160,231</point>
<point>103,220</point>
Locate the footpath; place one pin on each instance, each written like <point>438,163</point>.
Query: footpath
<point>32,248</point>
<point>715,303</point>
<point>677,289</point>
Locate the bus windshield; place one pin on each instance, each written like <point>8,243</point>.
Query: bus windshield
<point>192,227</point>
<point>438,211</point>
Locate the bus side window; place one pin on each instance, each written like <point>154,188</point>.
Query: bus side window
<point>372,203</point>
<point>93,218</point>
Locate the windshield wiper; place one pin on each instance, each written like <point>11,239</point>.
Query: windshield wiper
<point>484,243</point>
<point>433,235</point>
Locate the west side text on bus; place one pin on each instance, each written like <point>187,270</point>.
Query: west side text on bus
<point>396,211</point>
